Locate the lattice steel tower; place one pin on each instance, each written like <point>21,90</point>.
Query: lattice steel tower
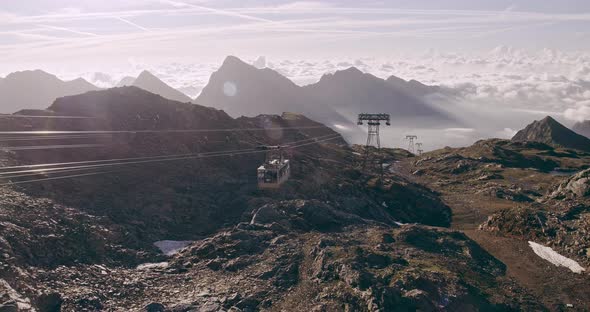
<point>411,139</point>
<point>373,121</point>
<point>419,150</point>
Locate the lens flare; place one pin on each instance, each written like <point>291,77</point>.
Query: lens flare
<point>230,88</point>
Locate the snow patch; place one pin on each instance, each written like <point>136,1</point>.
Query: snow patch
<point>149,266</point>
<point>550,255</point>
<point>170,247</point>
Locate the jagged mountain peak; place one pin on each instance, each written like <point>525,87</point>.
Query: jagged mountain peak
<point>550,131</point>
<point>147,75</point>
<point>231,60</point>
<point>550,121</point>
<point>350,71</point>
<point>234,66</point>
<point>345,74</point>
<point>241,89</point>
<point>150,82</point>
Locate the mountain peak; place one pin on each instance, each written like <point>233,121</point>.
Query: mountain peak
<point>17,95</point>
<point>231,61</point>
<point>150,82</point>
<point>28,74</point>
<point>146,74</point>
<point>351,71</point>
<point>345,74</point>
<point>550,131</point>
<point>548,120</point>
<point>396,79</point>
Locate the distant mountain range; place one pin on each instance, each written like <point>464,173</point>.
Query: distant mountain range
<point>583,128</point>
<point>242,89</point>
<point>551,132</point>
<point>36,90</point>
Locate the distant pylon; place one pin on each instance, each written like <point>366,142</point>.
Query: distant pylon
<point>419,150</point>
<point>411,139</point>
<point>373,121</point>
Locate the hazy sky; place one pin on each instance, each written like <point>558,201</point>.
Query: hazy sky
<point>508,57</point>
<point>78,31</point>
<point>509,61</point>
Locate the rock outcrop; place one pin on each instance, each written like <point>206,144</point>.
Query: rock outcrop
<point>578,186</point>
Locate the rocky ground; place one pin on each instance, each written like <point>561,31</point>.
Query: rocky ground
<point>504,194</point>
<point>446,231</point>
<point>331,239</point>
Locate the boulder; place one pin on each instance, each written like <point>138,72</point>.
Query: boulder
<point>155,307</point>
<point>574,187</point>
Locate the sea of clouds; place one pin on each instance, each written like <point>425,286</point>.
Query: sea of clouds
<point>546,82</point>
<point>495,92</point>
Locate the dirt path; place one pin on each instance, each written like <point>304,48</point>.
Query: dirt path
<point>554,286</point>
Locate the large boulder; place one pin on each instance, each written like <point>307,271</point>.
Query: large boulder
<point>577,186</point>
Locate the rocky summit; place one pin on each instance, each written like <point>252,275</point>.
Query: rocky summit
<point>549,131</point>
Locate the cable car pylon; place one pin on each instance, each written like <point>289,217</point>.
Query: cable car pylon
<point>373,123</point>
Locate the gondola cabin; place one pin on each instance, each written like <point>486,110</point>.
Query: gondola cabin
<point>274,172</point>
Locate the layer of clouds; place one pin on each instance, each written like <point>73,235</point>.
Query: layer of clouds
<point>495,92</point>
<point>548,82</point>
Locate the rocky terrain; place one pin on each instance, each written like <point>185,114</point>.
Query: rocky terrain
<point>506,193</point>
<point>420,235</point>
<point>81,234</point>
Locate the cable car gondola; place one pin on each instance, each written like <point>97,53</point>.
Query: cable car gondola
<point>275,170</point>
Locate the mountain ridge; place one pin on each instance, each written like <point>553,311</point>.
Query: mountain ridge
<point>336,97</point>
<point>150,82</point>
<point>16,88</point>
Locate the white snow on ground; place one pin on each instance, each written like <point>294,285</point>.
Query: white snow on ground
<point>148,266</point>
<point>558,260</point>
<point>170,247</point>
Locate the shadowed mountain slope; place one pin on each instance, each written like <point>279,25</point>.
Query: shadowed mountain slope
<point>551,132</point>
